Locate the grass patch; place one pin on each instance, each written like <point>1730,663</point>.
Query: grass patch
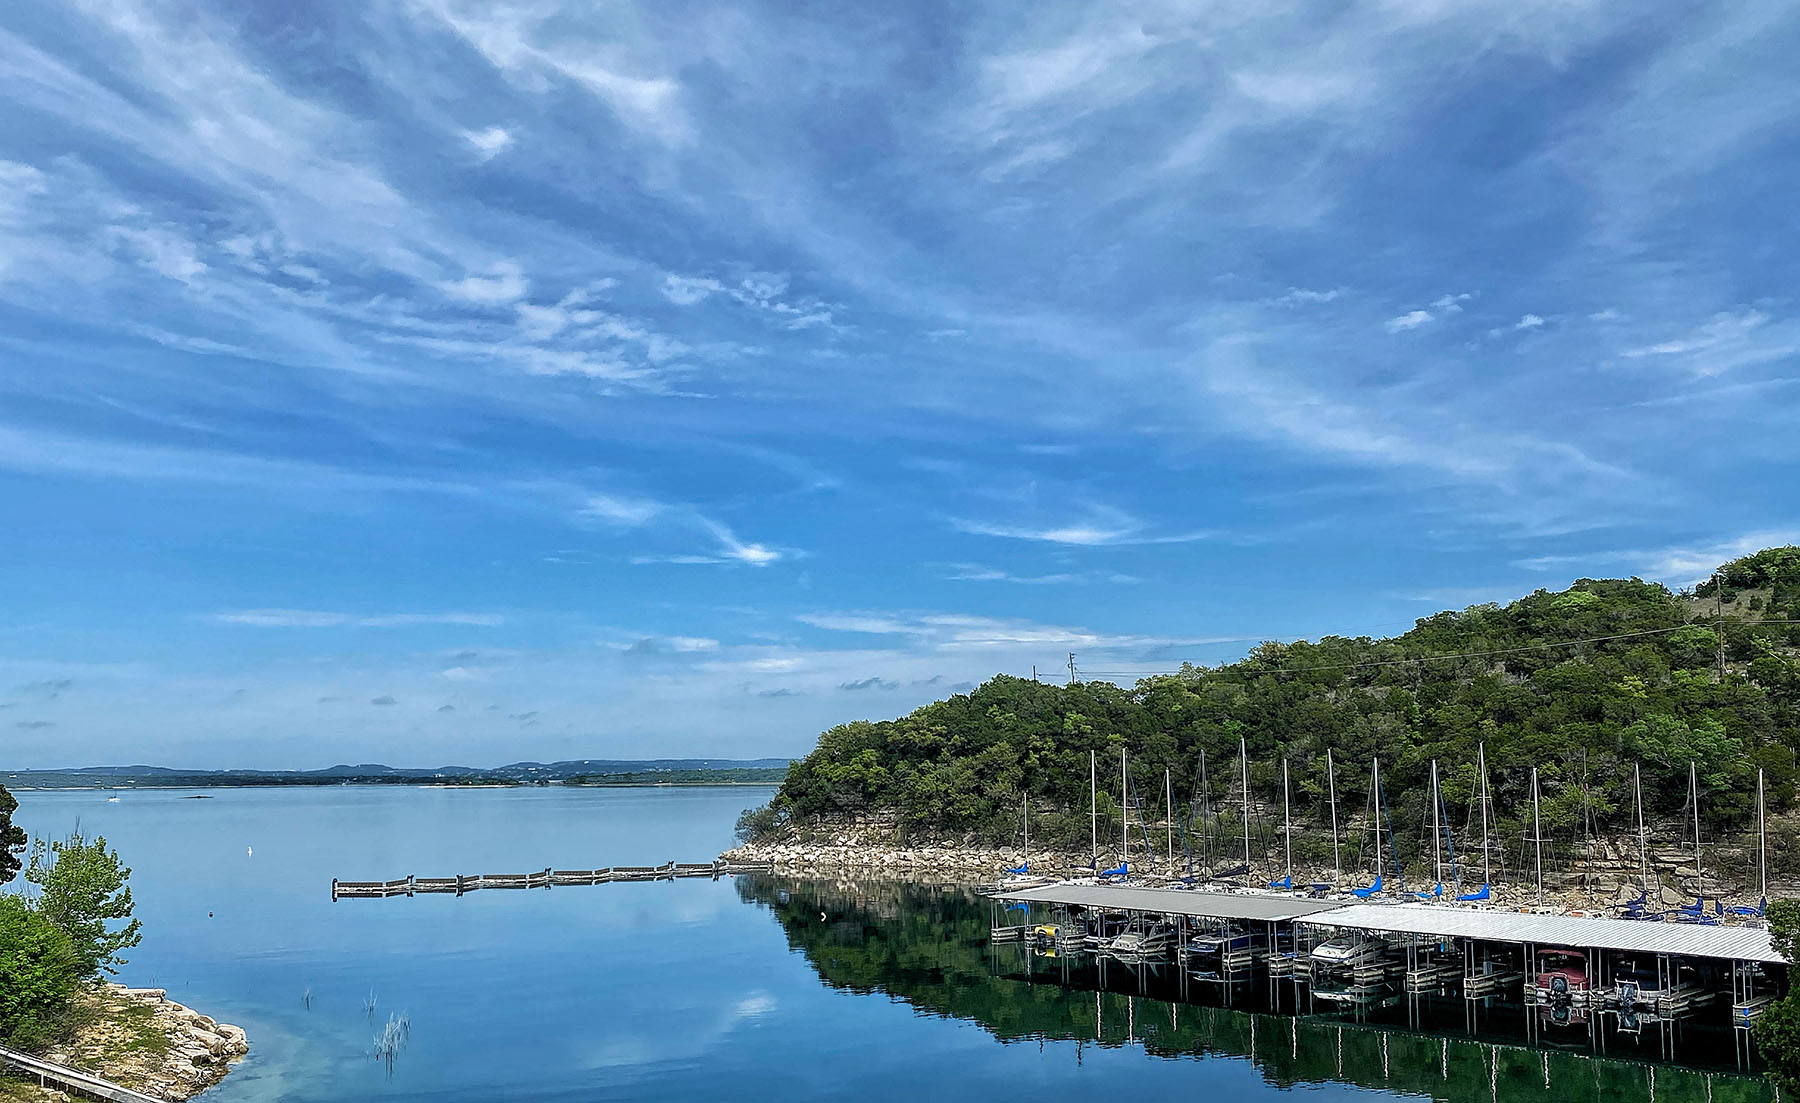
<point>14,1087</point>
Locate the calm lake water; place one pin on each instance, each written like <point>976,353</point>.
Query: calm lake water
<point>750,989</point>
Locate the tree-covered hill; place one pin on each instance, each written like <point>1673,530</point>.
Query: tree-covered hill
<point>1585,684</point>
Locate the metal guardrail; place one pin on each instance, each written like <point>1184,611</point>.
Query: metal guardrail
<point>49,1073</point>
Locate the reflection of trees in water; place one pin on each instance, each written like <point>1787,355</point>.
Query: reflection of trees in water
<point>928,946</point>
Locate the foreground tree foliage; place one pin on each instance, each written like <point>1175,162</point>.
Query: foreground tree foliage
<point>12,837</point>
<point>82,890</point>
<point>1777,1029</point>
<point>1584,684</point>
<point>39,974</point>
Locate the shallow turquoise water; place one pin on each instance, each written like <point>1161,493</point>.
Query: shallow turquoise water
<point>746,989</point>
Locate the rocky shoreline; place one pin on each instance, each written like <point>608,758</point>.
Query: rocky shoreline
<point>875,851</point>
<point>140,1039</point>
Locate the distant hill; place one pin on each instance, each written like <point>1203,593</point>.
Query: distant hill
<point>1588,685</point>
<point>590,771</point>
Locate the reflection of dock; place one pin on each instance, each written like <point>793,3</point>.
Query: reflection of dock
<point>543,879</point>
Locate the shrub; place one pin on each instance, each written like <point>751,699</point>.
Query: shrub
<point>757,823</point>
<point>83,889</point>
<point>39,974</point>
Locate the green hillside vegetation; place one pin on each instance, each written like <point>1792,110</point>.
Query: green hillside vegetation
<point>1584,684</point>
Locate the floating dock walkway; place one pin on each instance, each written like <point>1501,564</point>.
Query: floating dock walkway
<point>543,879</point>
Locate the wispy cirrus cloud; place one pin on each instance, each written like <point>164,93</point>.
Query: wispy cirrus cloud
<point>1728,340</point>
<point>1098,526</point>
<point>639,513</point>
<point>1685,564</point>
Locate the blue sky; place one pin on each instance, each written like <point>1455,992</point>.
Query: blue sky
<point>455,381</point>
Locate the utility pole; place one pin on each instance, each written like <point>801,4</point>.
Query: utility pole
<point>1071,668</point>
<point>1034,676</point>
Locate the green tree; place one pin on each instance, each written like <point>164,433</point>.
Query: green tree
<point>82,889</point>
<point>1777,1029</point>
<point>12,837</point>
<point>39,973</point>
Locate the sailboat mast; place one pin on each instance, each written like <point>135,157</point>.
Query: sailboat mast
<point>1205,815</point>
<point>1762,832</point>
<point>1025,858</point>
<point>1694,795</point>
<point>1337,867</point>
<point>1637,783</point>
<point>1244,763</point>
<point>1094,804</point>
<point>1287,823</point>
<point>1169,806</point>
<point>1124,810</point>
<point>1375,795</point>
<point>1437,826</point>
<point>1537,828</point>
<point>1481,756</point>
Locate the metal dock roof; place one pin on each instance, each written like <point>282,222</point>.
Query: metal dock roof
<point>1205,905</point>
<point>1681,939</point>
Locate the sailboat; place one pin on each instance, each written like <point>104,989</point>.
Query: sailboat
<point>1695,912</point>
<point>1244,768</point>
<point>1762,844</point>
<point>1486,889</point>
<point>1020,876</point>
<point>1122,871</point>
<point>1375,798</point>
<point>1287,832</point>
<point>1437,838</point>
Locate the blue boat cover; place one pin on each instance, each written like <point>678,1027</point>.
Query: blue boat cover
<point>1758,910</point>
<point>1284,883</point>
<point>1368,892</point>
<point>1026,868</point>
<point>1479,894</point>
<point>1124,869</point>
<point>1437,890</point>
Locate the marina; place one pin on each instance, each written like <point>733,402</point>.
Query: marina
<point>1564,971</point>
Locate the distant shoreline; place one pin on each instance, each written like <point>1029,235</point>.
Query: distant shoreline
<point>405,783</point>
<point>575,773</point>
